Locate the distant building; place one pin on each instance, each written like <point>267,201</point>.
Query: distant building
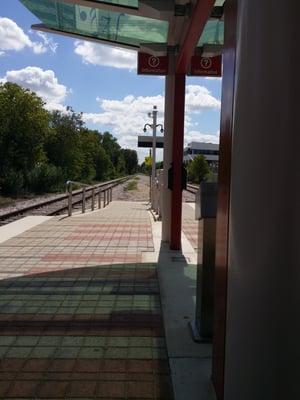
<point>209,150</point>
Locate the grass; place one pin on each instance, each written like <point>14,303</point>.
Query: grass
<point>6,201</point>
<point>131,185</point>
<point>136,178</point>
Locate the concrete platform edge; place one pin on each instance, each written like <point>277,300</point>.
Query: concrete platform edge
<point>15,228</point>
<point>190,362</point>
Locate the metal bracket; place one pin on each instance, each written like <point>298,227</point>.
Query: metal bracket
<point>155,49</point>
<point>183,10</point>
<point>157,8</point>
<point>209,50</point>
<point>217,12</point>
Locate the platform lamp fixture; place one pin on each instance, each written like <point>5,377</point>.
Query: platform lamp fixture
<point>153,126</point>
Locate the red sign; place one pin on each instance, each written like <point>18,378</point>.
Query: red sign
<point>151,65</point>
<point>206,66</point>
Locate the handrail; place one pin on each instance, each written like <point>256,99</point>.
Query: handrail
<point>76,183</point>
<point>105,187</point>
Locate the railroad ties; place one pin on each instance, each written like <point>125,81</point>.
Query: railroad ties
<point>58,204</point>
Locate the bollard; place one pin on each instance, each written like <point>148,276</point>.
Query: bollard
<point>93,199</point>
<point>206,209</point>
<point>69,189</point>
<point>83,200</point>
<point>99,198</point>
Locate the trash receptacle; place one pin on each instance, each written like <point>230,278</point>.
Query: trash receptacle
<point>205,213</point>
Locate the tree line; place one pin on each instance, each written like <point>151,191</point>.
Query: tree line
<point>40,150</point>
<point>198,169</point>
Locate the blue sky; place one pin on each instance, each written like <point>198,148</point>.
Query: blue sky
<point>97,80</point>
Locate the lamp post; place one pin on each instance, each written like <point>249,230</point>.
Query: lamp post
<point>153,126</point>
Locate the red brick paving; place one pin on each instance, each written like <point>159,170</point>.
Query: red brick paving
<point>107,258</point>
<point>49,377</point>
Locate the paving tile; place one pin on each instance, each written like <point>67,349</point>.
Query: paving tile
<point>140,390</point>
<point>82,389</point>
<point>140,353</point>
<point>52,390</point>
<point>94,341</point>
<point>91,352</point>
<point>35,365</point>
<point>112,391</point>
<point>26,341</point>
<point>18,352</point>
<point>61,365</point>
<point>23,389</point>
<point>88,365</point>
<point>116,352</point>
<point>72,341</point>
<point>11,364</point>
<point>114,366</point>
<point>66,352</point>
<point>142,366</point>
<point>49,341</point>
<point>4,385</point>
<point>81,317</point>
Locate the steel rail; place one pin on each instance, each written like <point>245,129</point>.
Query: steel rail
<point>44,203</point>
<point>192,188</point>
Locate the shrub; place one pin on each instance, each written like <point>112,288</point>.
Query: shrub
<point>12,183</point>
<point>45,178</point>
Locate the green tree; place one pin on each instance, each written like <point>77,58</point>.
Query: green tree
<point>131,161</point>
<point>64,143</point>
<point>96,163</point>
<point>198,169</point>
<point>112,147</point>
<point>39,150</point>
<point>24,126</point>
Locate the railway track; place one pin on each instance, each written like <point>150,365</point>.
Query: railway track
<point>59,204</point>
<point>192,188</point>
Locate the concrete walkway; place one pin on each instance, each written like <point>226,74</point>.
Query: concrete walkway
<point>83,305</point>
<point>80,311</point>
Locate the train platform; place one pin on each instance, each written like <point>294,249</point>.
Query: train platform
<point>81,306</point>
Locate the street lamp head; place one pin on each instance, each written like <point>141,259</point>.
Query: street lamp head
<point>149,114</point>
<point>145,129</point>
<point>162,130</point>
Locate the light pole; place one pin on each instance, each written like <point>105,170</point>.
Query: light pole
<point>153,126</point>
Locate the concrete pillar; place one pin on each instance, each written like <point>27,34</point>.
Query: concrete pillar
<point>168,148</point>
<point>262,340</point>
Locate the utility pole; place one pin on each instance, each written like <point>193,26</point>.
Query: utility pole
<point>154,116</point>
<point>150,180</point>
<point>153,126</point>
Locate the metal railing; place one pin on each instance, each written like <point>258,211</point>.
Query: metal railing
<point>156,193</point>
<point>102,191</point>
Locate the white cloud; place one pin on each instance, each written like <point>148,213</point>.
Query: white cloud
<point>126,118</point>
<point>12,37</point>
<point>98,54</point>
<point>196,136</point>
<point>43,82</point>
<point>199,98</point>
<point>130,113</point>
<point>48,42</point>
<point>213,78</point>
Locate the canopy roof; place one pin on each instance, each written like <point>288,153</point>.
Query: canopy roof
<point>124,23</point>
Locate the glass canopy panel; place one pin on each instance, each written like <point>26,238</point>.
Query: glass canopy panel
<point>213,33</point>
<point>95,23</point>
<point>124,3</point>
<point>219,3</point>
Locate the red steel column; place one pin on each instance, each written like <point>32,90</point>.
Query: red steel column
<point>177,155</point>
<point>222,229</point>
